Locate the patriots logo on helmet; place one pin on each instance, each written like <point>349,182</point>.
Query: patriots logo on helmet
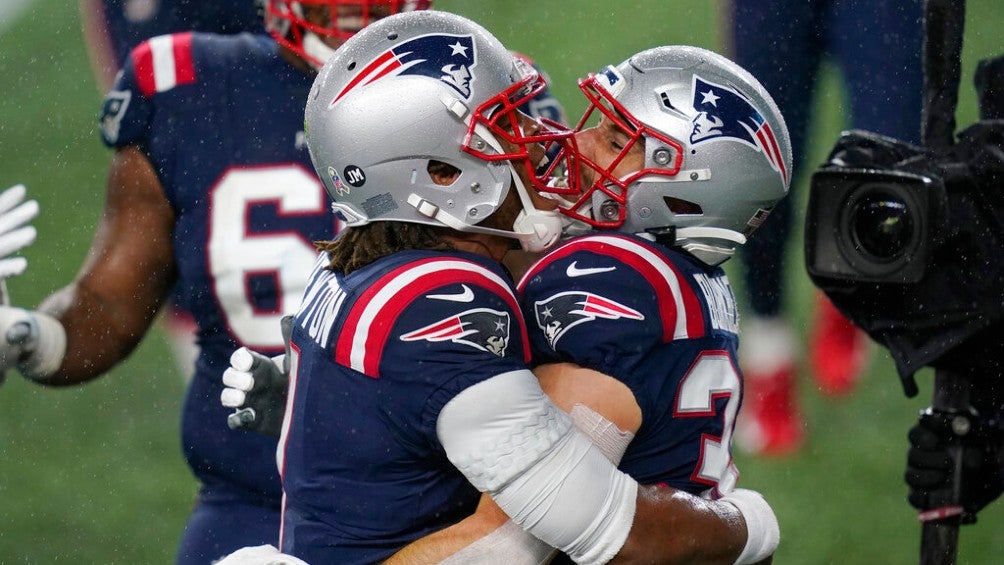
<point>724,113</point>
<point>444,57</point>
<point>565,310</point>
<point>481,328</point>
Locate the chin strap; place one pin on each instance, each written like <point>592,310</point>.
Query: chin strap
<point>536,230</point>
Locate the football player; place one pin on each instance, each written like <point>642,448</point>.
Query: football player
<point>408,388</point>
<point>687,157</point>
<point>114,27</point>
<point>210,188</point>
<point>877,46</point>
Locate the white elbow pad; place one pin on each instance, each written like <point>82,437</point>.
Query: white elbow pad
<point>512,442</point>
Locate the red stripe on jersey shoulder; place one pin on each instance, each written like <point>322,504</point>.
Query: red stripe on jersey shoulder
<point>184,63</point>
<point>145,64</point>
<point>673,290</point>
<point>368,324</point>
<point>142,61</point>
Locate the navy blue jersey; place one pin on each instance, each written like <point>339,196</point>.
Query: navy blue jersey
<point>663,324</point>
<point>220,119</point>
<point>376,356</point>
<point>124,24</point>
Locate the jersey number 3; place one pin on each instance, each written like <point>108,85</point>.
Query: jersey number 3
<point>712,377</point>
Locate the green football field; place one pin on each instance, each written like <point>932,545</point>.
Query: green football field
<point>95,474</point>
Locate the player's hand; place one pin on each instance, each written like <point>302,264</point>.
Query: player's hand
<point>11,351</point>
<point>930,470</point>
<point>256,388</point>
<point>31,341</point>
<point>15,235</point>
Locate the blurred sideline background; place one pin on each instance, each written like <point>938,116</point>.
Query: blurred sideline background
<point>95,474</point>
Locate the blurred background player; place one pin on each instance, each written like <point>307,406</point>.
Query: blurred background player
<point>211,189</point>
<point>114,27</point>
<point>877,46</point>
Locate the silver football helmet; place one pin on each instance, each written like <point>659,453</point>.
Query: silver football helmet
<point>428,86</point>
<point>717,155</point>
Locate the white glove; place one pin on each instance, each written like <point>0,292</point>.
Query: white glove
<point>34,342</point>
<point>14,234</point>
<point>256,388</point>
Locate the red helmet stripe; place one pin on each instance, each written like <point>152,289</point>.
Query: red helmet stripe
<point>776,151</point>
<point>378,68</point>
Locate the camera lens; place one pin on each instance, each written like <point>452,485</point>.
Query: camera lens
<point>881,225</point>
<point>872,225</point>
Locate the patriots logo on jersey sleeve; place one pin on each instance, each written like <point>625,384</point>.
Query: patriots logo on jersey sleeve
<point>565,310</point>
<point>114,109</point>
<point>481,328</point>
<point>723,113</point>
<point>444,57</point>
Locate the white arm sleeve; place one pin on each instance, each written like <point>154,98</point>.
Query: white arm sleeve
<point>511,544</point>
<point>512,442</point>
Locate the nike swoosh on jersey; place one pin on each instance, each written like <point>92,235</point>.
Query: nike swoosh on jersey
<point>575,271</point>
<point>466,296</point>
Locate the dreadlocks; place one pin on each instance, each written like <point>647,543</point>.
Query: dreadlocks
<point>359,246</point>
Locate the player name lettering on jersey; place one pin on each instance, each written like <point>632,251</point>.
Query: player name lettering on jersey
<point>721,302</point>
<point>321,305</point>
